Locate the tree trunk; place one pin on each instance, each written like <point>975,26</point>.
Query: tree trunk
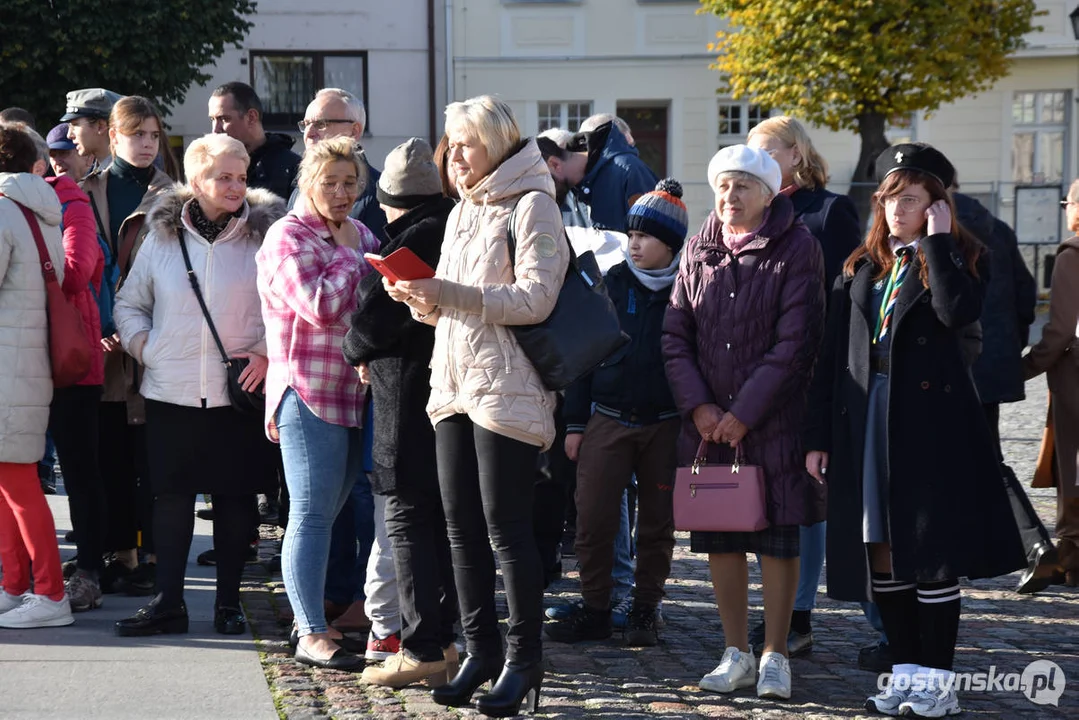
<point>864,179</point>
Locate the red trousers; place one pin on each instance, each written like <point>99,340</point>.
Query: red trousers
<point>27,534</point>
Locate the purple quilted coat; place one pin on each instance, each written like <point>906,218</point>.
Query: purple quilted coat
<point>742,331</point>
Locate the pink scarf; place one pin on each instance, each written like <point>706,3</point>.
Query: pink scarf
<point>736,241</point>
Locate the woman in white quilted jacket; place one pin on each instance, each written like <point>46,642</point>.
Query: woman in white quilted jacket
<point>197,442</point>
<point>27,532</point>
<point>492,413</point>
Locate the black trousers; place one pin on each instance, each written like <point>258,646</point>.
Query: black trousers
<point>1031,529</point>
<point>554,481</point>
<point>122,459</point>
<point>73,422</point>
<point>487,484</point>
<point>174,524</point>
<point>416,526</point>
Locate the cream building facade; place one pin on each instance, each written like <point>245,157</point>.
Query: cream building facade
<point>556,62</point>
<point>392,53</point>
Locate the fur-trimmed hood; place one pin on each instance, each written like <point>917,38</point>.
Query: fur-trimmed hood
<point>261,209</point>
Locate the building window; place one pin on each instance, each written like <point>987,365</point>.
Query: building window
<point>737,119</point>
<point>287,81</point>
<point>565,115</point>
<point>1039,137</point>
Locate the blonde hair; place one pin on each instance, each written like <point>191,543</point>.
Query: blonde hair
<point>1073,191</point>
<point>812,171</point>
<point>490,121</point>
<point>200,156</point>
<point>324,152</point>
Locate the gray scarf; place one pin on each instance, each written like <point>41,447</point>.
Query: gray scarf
<point>655,280</point>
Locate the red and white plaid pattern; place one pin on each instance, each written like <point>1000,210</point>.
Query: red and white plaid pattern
<point>308,287</point>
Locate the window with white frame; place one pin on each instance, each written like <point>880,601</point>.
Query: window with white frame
<point>736,119</point>
<point>565,115</point>
<point>1039,136</point>
<point>287,81</point>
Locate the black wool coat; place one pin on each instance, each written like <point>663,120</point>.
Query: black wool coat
<point>397,351</point>
<point>1008,310</point>
<point>948,513</point>
<point>833,220</point>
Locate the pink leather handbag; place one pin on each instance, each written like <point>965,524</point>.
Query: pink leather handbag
<point>719,498</point>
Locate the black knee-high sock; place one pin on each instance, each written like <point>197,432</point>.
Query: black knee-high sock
<point>938,623</point>
<point>898,604</point>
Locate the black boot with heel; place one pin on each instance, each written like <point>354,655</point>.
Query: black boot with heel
<point>518,685</point>
<point>474,671</point>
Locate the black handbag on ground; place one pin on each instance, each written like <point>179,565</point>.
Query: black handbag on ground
<point>249,403</point>
<point>583,329</point>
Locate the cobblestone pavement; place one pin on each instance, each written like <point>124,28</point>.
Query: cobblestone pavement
<point>999,629</point>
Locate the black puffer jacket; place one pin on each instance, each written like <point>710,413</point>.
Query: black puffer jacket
<point>273,166</point>
<point>1008,309</point>
<point>633,380</point>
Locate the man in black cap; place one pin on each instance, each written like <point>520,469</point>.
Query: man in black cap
<point>236,111</point>
<point>64,156</point>
<point>87,116</point>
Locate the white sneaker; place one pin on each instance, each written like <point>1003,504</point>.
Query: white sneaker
<point>9,602</point>
<point>38,611</point>
<point>775,677</point>
<point>888,701</point>
<point>736,670</point>
<point>926,703</point>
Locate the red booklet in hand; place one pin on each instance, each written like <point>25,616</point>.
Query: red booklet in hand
<point>401,264</point>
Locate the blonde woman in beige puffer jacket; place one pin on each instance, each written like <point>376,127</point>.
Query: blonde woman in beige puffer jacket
<point>491,412</point>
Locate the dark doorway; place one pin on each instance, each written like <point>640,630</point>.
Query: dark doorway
<point>650,130</point>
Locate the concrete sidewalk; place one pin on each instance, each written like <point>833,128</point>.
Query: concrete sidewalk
<point>87,671</point>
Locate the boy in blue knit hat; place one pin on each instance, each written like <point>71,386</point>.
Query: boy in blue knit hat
<point>632,431</point>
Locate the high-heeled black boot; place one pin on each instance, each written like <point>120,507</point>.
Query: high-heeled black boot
<point>517,685</point>
<point>474,672</point>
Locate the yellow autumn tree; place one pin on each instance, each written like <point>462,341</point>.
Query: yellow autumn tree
<point>855,64</point>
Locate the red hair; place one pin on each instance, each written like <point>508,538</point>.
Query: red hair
<point>877,247</point>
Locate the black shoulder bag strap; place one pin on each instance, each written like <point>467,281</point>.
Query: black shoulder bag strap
<point>97,216</point>
<point>511,238</point>
<point>202,303</point>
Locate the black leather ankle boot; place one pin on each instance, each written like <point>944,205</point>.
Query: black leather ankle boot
<point>474,671</point>
<point>518,684</point>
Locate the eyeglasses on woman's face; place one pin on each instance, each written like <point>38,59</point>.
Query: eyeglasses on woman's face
<point>1065,202</point>
<point>348,187</point>
<point>906,203</point>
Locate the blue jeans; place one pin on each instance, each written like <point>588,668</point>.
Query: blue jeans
<point>810,563</point>
<point>350,545</point>
<point>623,556</point>
<point>322,462</point>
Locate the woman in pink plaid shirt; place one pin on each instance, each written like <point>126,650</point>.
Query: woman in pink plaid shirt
<point>309,269</point>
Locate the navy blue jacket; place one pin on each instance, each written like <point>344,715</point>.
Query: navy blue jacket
<point>1008,309</point>
<point>634,380</point>
<point>614,178</point>
<point>833,220</point>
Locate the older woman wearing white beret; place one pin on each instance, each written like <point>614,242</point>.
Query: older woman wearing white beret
<point>740,339</point>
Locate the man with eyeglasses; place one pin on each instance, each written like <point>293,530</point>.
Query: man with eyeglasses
<point>338,113</point>
<point>235,109</point>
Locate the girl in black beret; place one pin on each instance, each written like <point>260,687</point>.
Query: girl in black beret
<point>915,494</point>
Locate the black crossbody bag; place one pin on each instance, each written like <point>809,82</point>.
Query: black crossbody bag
<point>249,403</point>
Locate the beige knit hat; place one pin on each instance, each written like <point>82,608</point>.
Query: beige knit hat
<point>410,177</point>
